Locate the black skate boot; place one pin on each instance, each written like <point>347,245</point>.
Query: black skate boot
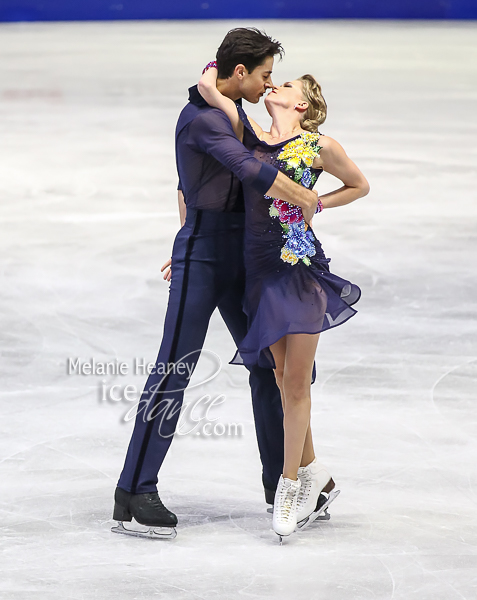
<point>269,495</point>
<point>147,509</point>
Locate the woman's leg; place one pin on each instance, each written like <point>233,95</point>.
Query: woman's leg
<point>279,351</point>
<point>308,451</point>
<point>298,366</point>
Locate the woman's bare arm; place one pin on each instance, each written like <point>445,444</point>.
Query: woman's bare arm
<point>256,127</point>
<point>207,87</point>
<point>334,160</point>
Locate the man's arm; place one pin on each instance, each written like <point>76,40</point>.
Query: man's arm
<point>293,193</point>
<point>213,134</point>
<point>182,207</point>
<point>166,267</point>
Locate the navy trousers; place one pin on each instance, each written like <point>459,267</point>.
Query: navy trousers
<point>207,273</point>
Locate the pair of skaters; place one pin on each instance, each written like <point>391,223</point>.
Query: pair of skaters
<point>247,247</point>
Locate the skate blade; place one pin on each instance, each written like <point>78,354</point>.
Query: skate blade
<point>321,514</point>
<point>153,533</point>
<point>281,538</point>
<point>324,517</point>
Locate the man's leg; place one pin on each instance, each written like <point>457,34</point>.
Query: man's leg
<point>268,415</point>
<point>192,300</point>
<point>266,400</point>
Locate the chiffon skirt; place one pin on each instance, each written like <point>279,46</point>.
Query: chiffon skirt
<point>282,298</point>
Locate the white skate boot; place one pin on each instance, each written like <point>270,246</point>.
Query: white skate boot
<point>315,480</point>
<point>284,508</point>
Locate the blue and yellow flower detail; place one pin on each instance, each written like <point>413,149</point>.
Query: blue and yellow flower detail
<point>295,160</point>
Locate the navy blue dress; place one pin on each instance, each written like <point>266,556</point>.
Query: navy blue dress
<point>289,287</point>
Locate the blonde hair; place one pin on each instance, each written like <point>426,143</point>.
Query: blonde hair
<point>315,114</point>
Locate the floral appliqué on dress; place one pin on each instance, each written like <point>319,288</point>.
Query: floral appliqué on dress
<point>295,160</point>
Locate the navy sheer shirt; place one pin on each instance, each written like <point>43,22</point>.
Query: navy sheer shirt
<point>212,162</point>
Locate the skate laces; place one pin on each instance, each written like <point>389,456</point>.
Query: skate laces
<point>285,501</point>
<point>306,479</point>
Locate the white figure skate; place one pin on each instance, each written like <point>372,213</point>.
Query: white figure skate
<point>284,508</point>
<point>317,492</point>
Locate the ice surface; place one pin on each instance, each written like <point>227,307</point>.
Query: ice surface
<point>88,216</point>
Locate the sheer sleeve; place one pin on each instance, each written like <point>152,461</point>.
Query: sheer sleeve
<point>212,133</point>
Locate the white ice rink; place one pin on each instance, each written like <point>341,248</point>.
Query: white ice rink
<point>88,216</point>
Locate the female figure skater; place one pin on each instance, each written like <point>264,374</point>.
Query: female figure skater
<point>291,296</point>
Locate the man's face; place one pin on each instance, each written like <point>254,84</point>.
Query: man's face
<point>254,85</point>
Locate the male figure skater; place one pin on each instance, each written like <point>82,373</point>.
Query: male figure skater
<point>208,273</point>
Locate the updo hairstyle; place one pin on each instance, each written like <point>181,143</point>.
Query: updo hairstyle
<point>315,114</point>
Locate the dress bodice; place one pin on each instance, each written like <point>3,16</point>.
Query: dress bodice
<point>266,215</point>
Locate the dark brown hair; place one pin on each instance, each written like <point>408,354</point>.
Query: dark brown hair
<point>245,46</point>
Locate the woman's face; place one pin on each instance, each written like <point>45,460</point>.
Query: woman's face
<point>289,95</point>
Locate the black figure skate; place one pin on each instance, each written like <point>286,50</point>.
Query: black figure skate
<point>148,510</point>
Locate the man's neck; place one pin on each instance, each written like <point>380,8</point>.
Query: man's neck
<point>228,88</point>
